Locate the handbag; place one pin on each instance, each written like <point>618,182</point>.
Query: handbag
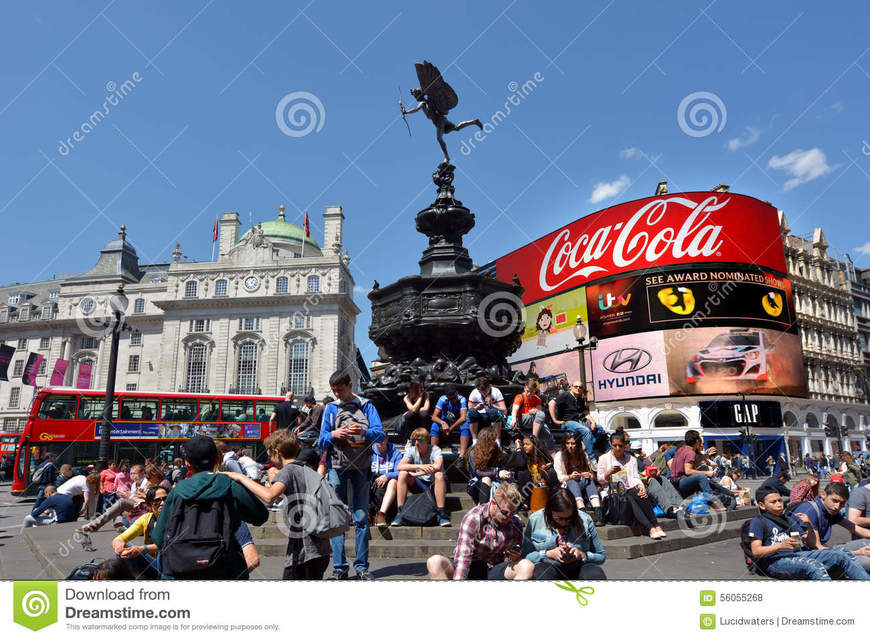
<point>419,509</point>
<point>616,509</point>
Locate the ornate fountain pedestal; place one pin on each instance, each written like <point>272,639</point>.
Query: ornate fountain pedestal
<point>448,324</point>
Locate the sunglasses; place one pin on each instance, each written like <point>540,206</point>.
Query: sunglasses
<point>158,501</point>
<point>413,440</point>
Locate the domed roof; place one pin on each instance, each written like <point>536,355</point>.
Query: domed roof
<point>283,230</point>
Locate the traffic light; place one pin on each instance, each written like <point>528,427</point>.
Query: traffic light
<point>831,431</point>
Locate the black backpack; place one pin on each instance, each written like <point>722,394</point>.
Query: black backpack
<point>198,542</point>
<point>85,571</point>
<point>746,546</point>
<point>419,509</point>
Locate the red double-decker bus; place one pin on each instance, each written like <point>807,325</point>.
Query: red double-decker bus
<point>66,422</point>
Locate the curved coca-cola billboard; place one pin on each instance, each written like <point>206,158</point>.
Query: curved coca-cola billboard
<point>686,293</point>
<point>681,228</point>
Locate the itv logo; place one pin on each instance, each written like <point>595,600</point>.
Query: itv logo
<point>612,301</point>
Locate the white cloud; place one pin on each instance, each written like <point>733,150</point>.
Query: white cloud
<point>802,166</point>
<point>864,248</point>
<point>837,107</point>
<point>631,152</point>
<point>604,190</point>
<point>749,136</point>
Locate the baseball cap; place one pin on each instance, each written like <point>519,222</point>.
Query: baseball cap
<point>201,452</point>
<point>450,389</point>
<point>636,444</point>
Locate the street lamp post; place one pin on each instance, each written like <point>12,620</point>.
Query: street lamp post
<point>118,304</point>
<point>583,344</point>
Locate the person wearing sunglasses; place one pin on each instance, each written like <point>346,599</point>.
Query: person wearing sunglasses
<point>570,411</point>
<point>421,469</point>
<point>489,545</point>
<point>562,542</point>
<point>616,467</point>
<point>142,558</point>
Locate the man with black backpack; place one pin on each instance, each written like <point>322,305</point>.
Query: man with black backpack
<point>195,530</point>
<point>350,425</point>
<point>784,547</point>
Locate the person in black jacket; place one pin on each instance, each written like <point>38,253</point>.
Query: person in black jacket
<point>777,483</point>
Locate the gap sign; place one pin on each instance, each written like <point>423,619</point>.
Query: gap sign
<point>727,413</point>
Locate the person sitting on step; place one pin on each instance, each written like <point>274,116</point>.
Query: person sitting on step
<point>562,542</point>
<point>572,468</point>
<point>421,469</point>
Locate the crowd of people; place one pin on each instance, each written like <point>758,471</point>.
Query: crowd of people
<point>337,454</point>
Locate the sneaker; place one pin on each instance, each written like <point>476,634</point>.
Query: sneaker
<point>380,519</point>
<point>338,575</point>
<point>443,521</point>
<point>364,575</point>
<point>397,521</point>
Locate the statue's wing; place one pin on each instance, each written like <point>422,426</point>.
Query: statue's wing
<point>440,94</point>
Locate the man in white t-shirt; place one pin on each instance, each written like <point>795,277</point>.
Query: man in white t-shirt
<point>486,408</point>
<point>421,469</point>
<point>77,489</point>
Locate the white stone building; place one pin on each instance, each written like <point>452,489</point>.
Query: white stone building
<point>273,312</point>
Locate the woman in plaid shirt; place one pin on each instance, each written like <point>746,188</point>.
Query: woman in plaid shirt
<point>489,546</point>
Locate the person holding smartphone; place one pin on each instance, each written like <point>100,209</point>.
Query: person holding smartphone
<point>562,542</point>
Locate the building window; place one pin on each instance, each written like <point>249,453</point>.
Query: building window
<point>17,368</point>
<point>281,285</point>
<point>299,320</point>
<point>14,397</point>
<point>297,379</point>
<point>342,326</point>
<point>342,286</point>
<point>24,313</point>
<point>139,305</point>
<point>42,367</point>
<point>133,364</point>
<point>313,284</point>
<point>52,295</point>
<point>4,315</point>
<point>22,343</point>
<point>88,305</point>
<point>197,359</point>
<point>190,288</point>
<point>246,369</point>
<point>220,288</point>
<point>44,343</point>
<point>14,299</point>
<point>200,325</point>
<point>89,342</point>
<point>249,324</point>
<point>131,386</point>
<point>296,254</point>
<point>48,312</point>
<point>136,337</point>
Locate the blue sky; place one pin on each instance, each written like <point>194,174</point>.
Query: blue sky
<point>198,134</point>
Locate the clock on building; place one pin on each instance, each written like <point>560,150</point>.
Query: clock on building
<point>252,282</point>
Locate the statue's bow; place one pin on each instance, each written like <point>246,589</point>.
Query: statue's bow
<point>402,107</point>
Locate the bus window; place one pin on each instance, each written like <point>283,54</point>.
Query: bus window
<point>179,410</point>
<point>264,410</point>
<point>139,409</point>
<point>209,411</point>
<point>237,410</point>
<point>57,407</point>
<point>91,407</point>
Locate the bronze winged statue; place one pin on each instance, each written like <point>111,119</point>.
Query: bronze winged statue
<point>435,97</point>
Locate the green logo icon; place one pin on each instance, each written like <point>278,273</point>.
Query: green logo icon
<point>34,604</point>
<point>708,621</point>
<point>708,598</point>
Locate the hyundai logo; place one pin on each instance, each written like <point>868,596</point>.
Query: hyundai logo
<point>627,360</point>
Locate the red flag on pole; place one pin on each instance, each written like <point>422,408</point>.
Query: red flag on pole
<point>307,226</point>
<point>214,231</point>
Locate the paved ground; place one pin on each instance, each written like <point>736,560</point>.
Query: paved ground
<point>52,552</point>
